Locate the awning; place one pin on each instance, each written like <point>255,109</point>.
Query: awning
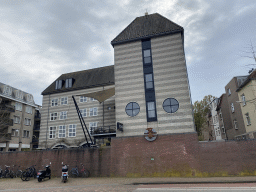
<point>100,95</point>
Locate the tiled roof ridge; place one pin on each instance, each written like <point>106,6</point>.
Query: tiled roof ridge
<point>85,70</point>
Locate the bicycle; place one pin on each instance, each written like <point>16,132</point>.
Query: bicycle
<point>83,172</point>
<point>8,173</point>
<point>18,172</point>
<point>29,172</point>
<point>1,172</point>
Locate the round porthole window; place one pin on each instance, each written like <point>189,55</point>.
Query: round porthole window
<point>170,105</point>
<point>132,109</point>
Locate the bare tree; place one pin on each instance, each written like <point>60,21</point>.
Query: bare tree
<point>250,53</point>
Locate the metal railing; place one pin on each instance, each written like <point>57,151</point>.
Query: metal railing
<point>106,130</point>
<point>7,108</point>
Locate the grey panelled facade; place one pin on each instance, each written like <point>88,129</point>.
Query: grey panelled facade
<point>169,77</point>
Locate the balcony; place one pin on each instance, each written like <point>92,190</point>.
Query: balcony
<point>36,128</point>
<point>5,137</point>
<point>35,140</point>
<point>5,108</point>
<point>7,122</point>
<point>107,131</point>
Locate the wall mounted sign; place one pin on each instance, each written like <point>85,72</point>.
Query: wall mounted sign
<point>150,134</point>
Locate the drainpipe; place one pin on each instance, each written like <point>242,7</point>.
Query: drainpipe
<point>46,146</point>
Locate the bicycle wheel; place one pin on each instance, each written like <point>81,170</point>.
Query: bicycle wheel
<point>18,173</point>
<point>23,176</point>
<point>11,173</point>
<point>85,173</point>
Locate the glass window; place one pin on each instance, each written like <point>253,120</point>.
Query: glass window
<point>58,84</point>
<point>229,92</point>
<point>15,132</point>
<point>232,108</point>
<point>18,106</point>
<point>17,119</point>
<point>68,83</point>
<point>26,134</point>
<point>64,100</point>
<point>28,109</point>
<point>132,109</point>
<point>54,102</point>
<point>170,105</point>
<point>149,81</point>
<point>151,109</point>
<point>92,99</point>
<point>243,100</point>
<point>235,124</point>
<point>147,53</point>
<point>72,130</point>
<point>53,116</point>
<point>63,115</point>
<point>84,112</point>
<point>248,119</point>
<point>62,131</point>
<point>83,99</point>
<point>94,111</point>
<point>92,127</point>
<point>52,132</point>
<point>27,121</point>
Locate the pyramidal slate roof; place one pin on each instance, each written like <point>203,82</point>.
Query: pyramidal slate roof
<point>147,26</point>
<point>84,79</point>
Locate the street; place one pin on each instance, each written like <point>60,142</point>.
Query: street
<point>116,184</point>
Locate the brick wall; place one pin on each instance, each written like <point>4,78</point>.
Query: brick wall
<point>169,155</point>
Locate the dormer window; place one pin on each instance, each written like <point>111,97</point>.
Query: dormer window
<point>19,94</point>
<point>8,90</point>
<point>69,83</point>
<point>58,84</point>
<point>229,92</point>
<point>29,98</point>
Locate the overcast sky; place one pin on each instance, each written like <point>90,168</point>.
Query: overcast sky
<point>40,40</point>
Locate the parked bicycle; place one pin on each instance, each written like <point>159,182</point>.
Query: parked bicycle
<point>18,172</point>
<point>28,173</point>
<point>1,172</point>
<point>82,173</point>
<point>8,173</point>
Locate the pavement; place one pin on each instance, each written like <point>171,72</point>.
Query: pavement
<point>112,183</point>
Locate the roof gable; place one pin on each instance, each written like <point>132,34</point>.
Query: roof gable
<point>147,26</point>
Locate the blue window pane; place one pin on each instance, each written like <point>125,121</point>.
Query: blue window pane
<point>170,105</point>
<point>132,109</point>
<point>147,60</point>
<point>149,85</point>
<point>147,53</point>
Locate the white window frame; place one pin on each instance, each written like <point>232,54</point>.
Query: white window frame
<point>19,94</point>
<point>15,132</point>
<point>83,99</point>
<point>63,115</point>
<point>53,116</point>
<point>229,91</point>
<point>64,100</point>
<point>27,122</point>
<point>93,111</point>
<point>16,119</point>
<point>248,120</point>
<point>62,131</point>
<point>232,107</point>
<point>18,106</point>
<point>72,130</point>
<point>29,109</point>
<point>243,99</point>
<point>8,90</point>
<point>29,98</point>
<point>26,133</point>
<point>84,112</point>
<point>52,132</point>
<point>54,102</point>
<point>92,99</point>
<point>91,125</point>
